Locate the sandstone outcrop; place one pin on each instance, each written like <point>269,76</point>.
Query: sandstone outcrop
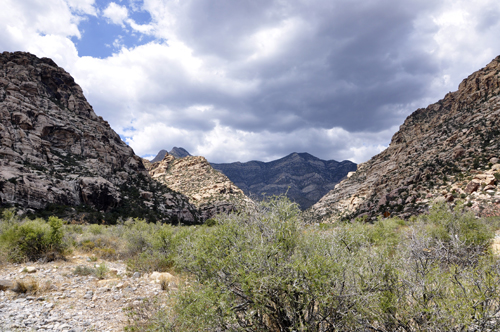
<point>446,152</point>
<point>301,176</point>
<point>207,189</point>
<point>54,150</point>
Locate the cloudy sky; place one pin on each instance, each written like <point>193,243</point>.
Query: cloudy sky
<point>240,80</point>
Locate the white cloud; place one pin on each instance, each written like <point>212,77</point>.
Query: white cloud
<point>116,13</point>
<point>83,6</point>
<point>267,82</point>
<point>219,142</point>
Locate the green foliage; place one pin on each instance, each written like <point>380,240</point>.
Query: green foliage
<point>101,270</point>
<point>269,271</point>
<point>444,225</point>
<point>82,270</point>
<point>31,239</point>
<point>210,222</point>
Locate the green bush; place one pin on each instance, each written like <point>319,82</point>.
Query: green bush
<point>269,271</point>
<point>32,239</point>
<point>81,270</point>
<point>101,270</point>
<point>446,225</point>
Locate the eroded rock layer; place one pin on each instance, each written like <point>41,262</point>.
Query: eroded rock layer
<point>55,151</point>
<point>446,152</point>
<point>209,190</point>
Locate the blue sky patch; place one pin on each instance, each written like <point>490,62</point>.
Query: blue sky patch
<point>100,38</point>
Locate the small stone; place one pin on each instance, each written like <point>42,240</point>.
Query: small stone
<point>128,289</point>
<point>30,269</point>
<point>88,295</point>
<point>136,275</point>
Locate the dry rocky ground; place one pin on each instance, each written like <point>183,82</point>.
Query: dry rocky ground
<point>70,302</point>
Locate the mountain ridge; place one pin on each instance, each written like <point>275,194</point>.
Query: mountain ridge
<point>302,176</point>
<point>447,152</point>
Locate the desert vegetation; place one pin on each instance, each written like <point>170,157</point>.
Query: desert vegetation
<point>271,270</point>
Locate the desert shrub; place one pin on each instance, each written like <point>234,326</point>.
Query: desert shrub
<point>210,222</point>
<point>82,270</point>
<point>263,271</point>
<point>385,231</point>
<point>150,261</point>
<point>152,247</point>
<point>95,229</point>
<point>103,245</point>
<point>101,270</point>
<point>445,225</point>
<point>29,286</point>
<point>32,239</point>
<point>270,271</point>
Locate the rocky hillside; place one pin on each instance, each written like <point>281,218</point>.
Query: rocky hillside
<point>446,152</point>
<point>302,176</point>
<point>58,156</point>
<point>176,152</point>
<point>207,189</point>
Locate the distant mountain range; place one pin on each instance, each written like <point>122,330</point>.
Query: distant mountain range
<point>303,177</point>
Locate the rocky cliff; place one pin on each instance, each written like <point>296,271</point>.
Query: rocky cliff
<point>303,177</point>
<point>446,152</point>
<point>57,154</point>
<point>207,189</point>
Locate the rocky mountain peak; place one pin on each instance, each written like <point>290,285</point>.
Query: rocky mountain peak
<point>176,152</point>
<point>179,152</point>
<point>207,189</point>
<point>446,152</point>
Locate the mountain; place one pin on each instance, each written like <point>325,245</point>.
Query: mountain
<point>159,156</point>
<point>303,177</point>
<point>176,152</point>
<point>58,157</point>
<point>446,152</point>
<point>179,152</point>
<point>207,189</point>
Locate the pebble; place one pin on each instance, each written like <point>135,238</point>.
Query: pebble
<point>71,303</point>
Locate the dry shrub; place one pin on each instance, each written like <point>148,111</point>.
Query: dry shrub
<point>30,286</point>
<point>164,284</point>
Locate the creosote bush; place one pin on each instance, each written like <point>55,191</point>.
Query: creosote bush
<point>31,240</point>
<point>270,271</point>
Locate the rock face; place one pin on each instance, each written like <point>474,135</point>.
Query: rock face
<point>207,189</point>
<point>446,152</point>
<point>54,150</point>
<point>303,177</point>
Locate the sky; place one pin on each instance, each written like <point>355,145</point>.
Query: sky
<point>238,80</point>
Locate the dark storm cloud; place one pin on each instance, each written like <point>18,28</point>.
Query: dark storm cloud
<point>350,64</point>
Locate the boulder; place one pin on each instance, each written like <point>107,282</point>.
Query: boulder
<point>5,284</point>
<point>472,186</point>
